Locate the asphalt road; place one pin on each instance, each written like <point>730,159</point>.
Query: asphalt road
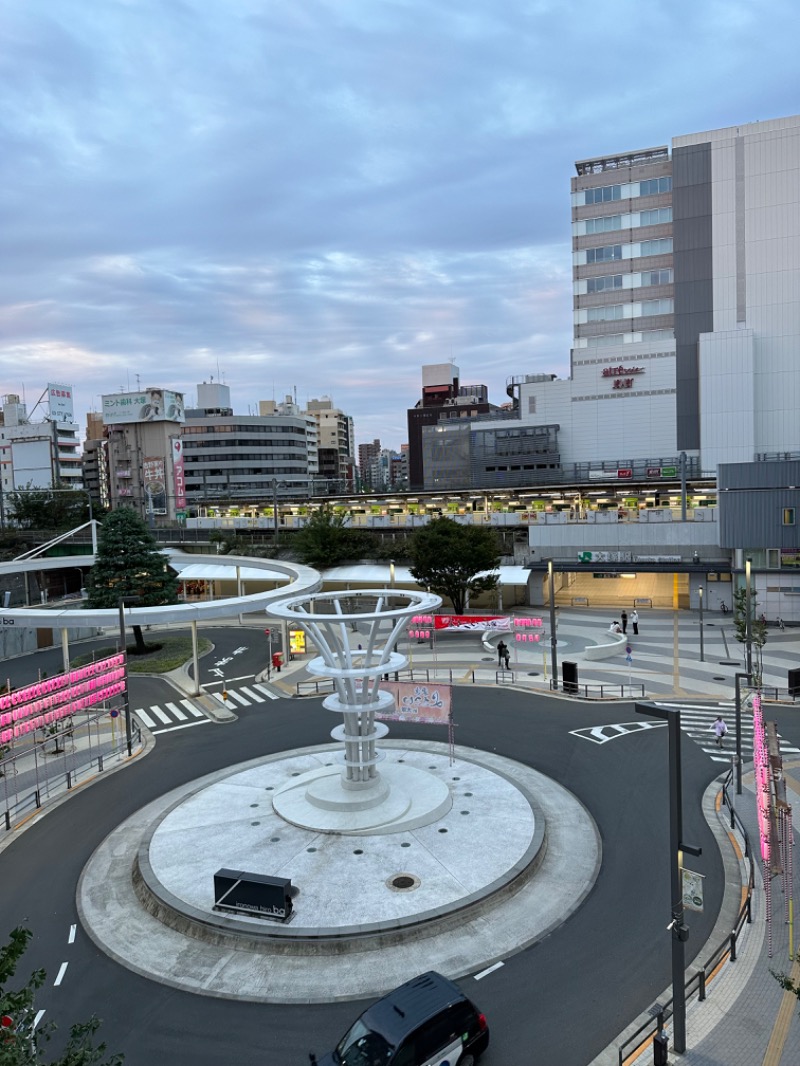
<point>558,1002</point>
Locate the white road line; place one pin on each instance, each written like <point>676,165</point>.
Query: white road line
<point>233,694</point>
<point>486,972</point>
<point>72,931</point>
<point>190,707</point>
<point>60,975</point>
<point>161,715</point>
<point>38,1018</point>
<point>186,725</point>
<point>218,696</point>
<point>176,711</point>
<point>249,692</point>
<point>266,691</point>
<point>227,681</point>
<point>145,717</point>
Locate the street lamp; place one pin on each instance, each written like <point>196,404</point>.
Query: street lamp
<point>702,650</point>
<point>275,486</point>
<point>126,700</point>
<point>679,930</point>
<point>553,638</point>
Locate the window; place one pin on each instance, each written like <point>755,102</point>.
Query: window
<point>653,186</point>
<point>605,314</point>
<point>655,217</point>
<point>788,516</point>
<point>610,281</point>
<point>610,251</point>
<point>661,246</point>
<point>657,307</point>
<point>656,277</point>
<point>531,405</point>
<point>603,225</point>
<point>605,194</point>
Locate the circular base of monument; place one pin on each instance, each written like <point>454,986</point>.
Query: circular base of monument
<point>400,798</point>
<point>513,857</point>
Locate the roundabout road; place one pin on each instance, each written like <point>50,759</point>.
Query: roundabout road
<point>559,1002</point>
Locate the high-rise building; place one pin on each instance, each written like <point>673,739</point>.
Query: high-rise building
<point>337,445</point>
<point>43,453</point>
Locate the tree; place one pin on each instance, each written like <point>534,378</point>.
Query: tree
<point>32,508</point>
<point>758,629</point>
<point>326,541</point>
<point>446,557</point>
<point>129,563</point>
<point>20,1043</point>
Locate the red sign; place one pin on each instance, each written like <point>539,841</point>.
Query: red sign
<point>625,472</point>
<point>178,473</point>
<point>622,371</point>
<point>467,622</point>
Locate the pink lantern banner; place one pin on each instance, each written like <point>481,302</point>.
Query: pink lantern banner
<point>31,724</point>
<point>468,622</point>
<point>429,704</point>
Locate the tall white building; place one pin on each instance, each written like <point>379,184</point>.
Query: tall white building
<point>43,453</point>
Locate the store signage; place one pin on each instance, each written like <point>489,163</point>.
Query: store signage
<point>426,704</point>
<point>155,489</point>
<point>669,471</point>
<point>178,473</point>
<point>256,895</point>
<point>621,371</point>
<point>60,402</point>
<point>625,472</point>
<point>151,405</point>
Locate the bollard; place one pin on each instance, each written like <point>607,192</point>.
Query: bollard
<point>733,946</point>
<point>8,820</point>
<point>702,986</point>
<point>661,1049</point>
<point>100,764</point>
<point>69,779</point>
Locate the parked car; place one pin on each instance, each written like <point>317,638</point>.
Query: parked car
<point>428,1021</point>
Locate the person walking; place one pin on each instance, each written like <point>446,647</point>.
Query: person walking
<point>502,652</point>
<point>635,622</point>
<point>720,730</point>
<point>507,658</point>
<point>624,619</point>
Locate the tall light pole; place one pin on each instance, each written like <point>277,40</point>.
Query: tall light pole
<point>126,701</point>
<point>679,930</point>
<point>553,637</point>
<point>702,650</point>
<point>748,619</point>
<point>275,507</point>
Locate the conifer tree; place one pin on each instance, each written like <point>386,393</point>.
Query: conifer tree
<point>130,563</point>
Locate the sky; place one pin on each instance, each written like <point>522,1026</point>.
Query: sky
<point>318,197</point>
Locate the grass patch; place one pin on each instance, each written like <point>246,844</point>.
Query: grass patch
<point>170,653</point>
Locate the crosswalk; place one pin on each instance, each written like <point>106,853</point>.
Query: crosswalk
<point>183,714</point>
<point>245,695</point>
<point>697,721</point>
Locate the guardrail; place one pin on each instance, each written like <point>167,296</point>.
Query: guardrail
<point>698,983</point>
<point>325,684</point>
<point>599,691</point>
<point>38,772</point>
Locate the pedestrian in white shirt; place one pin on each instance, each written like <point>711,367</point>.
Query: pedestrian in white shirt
<point>635,622</point>
<point>720,729</point>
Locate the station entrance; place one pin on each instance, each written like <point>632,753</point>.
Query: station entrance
<point>628,588</point>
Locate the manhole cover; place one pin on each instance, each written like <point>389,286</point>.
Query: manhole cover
<point>533,673</point>
<point>403,882</point>
<point>718,678</point>
<point>728,662</point>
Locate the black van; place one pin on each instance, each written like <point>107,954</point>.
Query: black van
<point>428,1021</point>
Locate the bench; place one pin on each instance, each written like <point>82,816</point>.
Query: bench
<point>613,644</point>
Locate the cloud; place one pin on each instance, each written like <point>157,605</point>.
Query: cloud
<point>327,194</point>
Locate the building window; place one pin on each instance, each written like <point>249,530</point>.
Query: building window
<point>603,195</point>
<point>610,251</point>
<point>656,217</point>
<point>656,277</point>
<point>788,516</point>
<point>653,186</point>
<point>609,313</point>
<point>662,246</point>
<point>610,281</point>
<point>531,405</point>
<point>658,307</point>
<point>603,225</point>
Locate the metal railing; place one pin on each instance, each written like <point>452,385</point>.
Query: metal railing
<point>698,983</point>
<point>599,691</point>
<point>54,761</point>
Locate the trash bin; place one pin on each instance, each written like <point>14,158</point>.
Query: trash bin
<point>794,682</point>
<point>569,677</point>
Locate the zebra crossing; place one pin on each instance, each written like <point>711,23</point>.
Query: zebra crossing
<point>245,695</point>
<point>183,714</point>
<point>697,722</point>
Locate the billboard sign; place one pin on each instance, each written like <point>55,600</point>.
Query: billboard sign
<point>151,405</point>
<point>178,474</point>
<point>60,400</point>
<point>155,488</point>
<point>429,704</point>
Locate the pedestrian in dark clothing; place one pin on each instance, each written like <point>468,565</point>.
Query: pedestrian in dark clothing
<point>507,658</point>
<point>635,622</point>
<point>502,651</point>
<point>624,618</point>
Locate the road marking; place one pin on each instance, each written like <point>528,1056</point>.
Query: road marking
<point>162,715</point>
<point>266,691</point>
<point>60,975</point>
<point>238,697</point>
<point>186,725</point>
<point>38,1018</point>
<point>145,717</point>
<point>227,681</point>
<point>190,707</point>
<point>487,971</point>
<point>176,711</point>
<point>72,931</point>
<point>252,695</point>
<point>220,697</point>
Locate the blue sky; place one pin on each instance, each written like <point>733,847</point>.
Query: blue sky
<point>323,195</point>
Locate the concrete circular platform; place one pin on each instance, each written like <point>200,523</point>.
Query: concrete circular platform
<point>513,856</point>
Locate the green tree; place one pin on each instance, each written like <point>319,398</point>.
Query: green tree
<point>54,509</point>
<point>446,557</point>
<point>758,629</point>
<point>20,1043</point>
<point>326,541</point>
<point>129,563</point>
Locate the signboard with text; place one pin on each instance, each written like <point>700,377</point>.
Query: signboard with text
<point>151,405</point>
<point>60,400</point>
<point>429,704</point>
